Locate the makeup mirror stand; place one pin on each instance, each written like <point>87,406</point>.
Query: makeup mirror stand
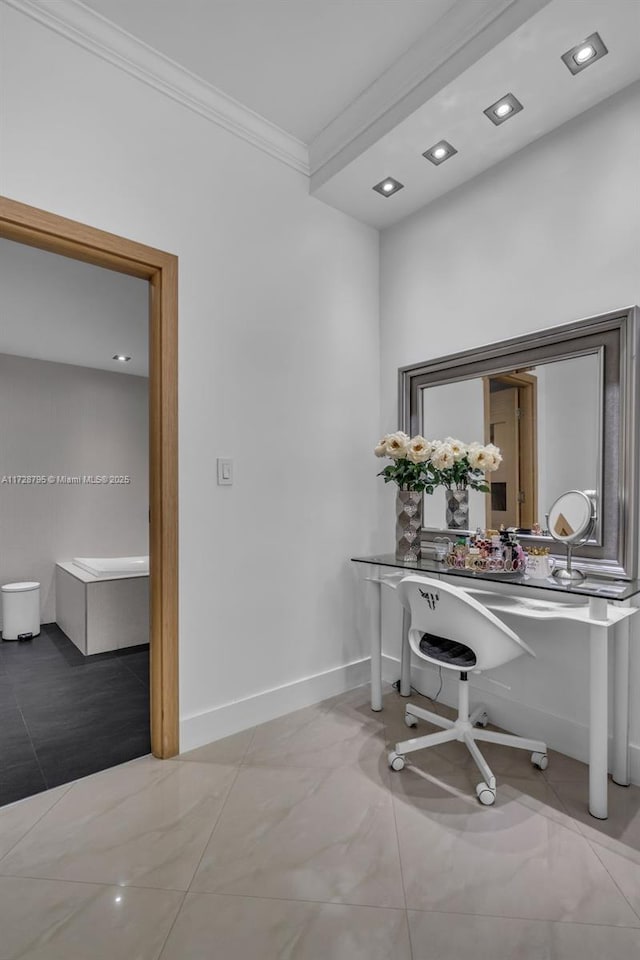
<point>568,573</point>
<point>573,534</point>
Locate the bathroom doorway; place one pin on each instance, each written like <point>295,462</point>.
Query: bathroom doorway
<point>158,271</point>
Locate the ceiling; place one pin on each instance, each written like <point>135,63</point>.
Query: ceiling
<point>297,63</point>
<point>63,310</point>
<point>353,91</point>
<point>527,63</point>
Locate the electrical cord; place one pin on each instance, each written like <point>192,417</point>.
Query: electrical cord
<point>396,686</point>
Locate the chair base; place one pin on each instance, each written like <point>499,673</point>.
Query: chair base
<point>464,728</point>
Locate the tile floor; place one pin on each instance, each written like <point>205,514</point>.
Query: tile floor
<point>294,841</point>
<point>64,715</point>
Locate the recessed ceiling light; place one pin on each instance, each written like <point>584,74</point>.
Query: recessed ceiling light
<point>439,152</point>
<point>388,186</point>
<point>585,53</point>
<point>503,109</point>
<point>121,357</point>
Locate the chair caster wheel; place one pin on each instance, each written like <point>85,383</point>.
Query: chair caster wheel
<point>410,720</point>
<point>396,761</point>
<point>483,720</point>
<point>485,794</point>
<point>540,760</point>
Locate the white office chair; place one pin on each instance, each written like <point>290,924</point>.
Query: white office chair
<point>452,629</point>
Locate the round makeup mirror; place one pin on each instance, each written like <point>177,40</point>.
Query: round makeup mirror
<point>570,520</point>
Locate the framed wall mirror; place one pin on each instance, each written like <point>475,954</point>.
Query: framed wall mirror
<point>561,405</point>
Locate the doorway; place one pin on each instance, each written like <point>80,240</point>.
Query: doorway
<point>510,422</point>
<point>47,231</point>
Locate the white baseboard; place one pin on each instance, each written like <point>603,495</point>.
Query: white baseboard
<point>560,733</point>
<point>233,717</point>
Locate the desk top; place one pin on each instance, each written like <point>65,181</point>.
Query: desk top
<point>591,587</point>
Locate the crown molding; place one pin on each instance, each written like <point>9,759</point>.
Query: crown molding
<point>86,28</point>
<point>461,37</point>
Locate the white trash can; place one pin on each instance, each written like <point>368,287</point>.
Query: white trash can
<point>20,610</point>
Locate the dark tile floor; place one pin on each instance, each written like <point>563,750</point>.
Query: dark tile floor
<point>63,715</point>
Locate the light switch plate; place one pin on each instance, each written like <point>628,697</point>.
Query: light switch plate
<point>225,471</point>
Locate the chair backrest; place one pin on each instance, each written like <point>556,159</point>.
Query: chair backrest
<point>448,613</point>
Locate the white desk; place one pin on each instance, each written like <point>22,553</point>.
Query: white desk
<point>602,606</point>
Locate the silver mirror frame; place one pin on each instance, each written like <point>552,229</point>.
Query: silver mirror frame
<point>613,551</point>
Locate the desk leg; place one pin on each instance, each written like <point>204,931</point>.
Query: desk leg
<point>405,663</point>
<point>375,628</point>
<point>621,773</point>
<point>598,721</point>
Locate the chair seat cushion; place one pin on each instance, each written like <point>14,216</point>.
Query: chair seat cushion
<point>447,651</point>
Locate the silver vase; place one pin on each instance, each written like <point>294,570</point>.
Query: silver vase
<point>408,525</point>
<point>457,509</point>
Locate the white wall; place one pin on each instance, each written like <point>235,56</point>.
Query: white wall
<point>279,362</point>
<point>62,420</point>
<point>546,237</point>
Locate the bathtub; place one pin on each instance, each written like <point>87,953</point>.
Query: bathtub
<point>106,568</point>
<point>102,603</point>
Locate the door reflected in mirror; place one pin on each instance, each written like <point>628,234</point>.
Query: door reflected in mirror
<point>546,419</point>
<point>510,421</point>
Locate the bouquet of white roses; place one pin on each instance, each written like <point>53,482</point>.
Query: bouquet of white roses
<point>423,465</point>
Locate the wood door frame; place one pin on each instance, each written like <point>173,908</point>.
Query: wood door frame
<point>38,228</point>
<point>528,443</point>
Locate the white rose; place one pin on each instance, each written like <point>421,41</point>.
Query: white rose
<point>397,445</point>
<point>480,458</point>
<point>442,457</point>
<point>459,448</point>
<point>381,449</point>
<point>495,457</point>
<point>419,450</point>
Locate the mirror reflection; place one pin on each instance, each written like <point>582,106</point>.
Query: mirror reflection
<point>570,516</point>
<point>546,421</point>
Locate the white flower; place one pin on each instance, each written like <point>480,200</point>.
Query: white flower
<point>495,457</point>
<point>381,449</point>
<point>419,450</point>
<point>459,448</point>
<point>442,457</point>
<point>480,458</point>
<point>397,445</point>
